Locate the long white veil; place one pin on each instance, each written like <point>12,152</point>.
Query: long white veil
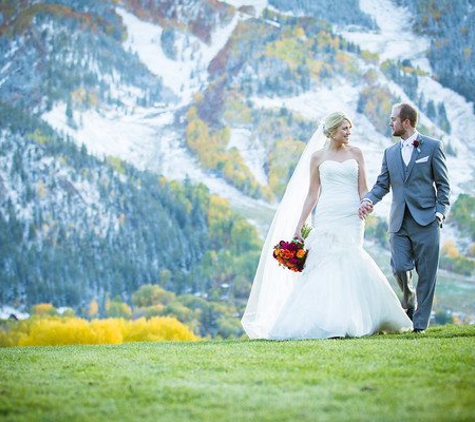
<point>273,284</point>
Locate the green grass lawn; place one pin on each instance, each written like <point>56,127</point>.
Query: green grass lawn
<point>397,377</point>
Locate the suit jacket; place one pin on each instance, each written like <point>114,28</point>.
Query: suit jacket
<point>423,186</point>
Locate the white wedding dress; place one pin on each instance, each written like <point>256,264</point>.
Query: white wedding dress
<point>341,292</point>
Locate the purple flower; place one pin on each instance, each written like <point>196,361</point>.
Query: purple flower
<point>292,246</point>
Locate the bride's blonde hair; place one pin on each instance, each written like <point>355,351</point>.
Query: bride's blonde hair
<point>333,121</point>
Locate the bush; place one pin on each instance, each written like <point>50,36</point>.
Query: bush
<point>43,309</point>
<point>463,214</point>
<point>458,264</point>
<point>53,331</point>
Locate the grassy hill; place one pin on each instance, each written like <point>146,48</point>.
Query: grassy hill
<point>388,377</point>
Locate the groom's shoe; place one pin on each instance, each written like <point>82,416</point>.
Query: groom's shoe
<point>419,330</point>
<point>410,313</point>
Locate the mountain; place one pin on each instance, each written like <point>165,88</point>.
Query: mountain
<point>236,79</point>
<point>131,227</point>
<point>452,40</point>
<point>120,118</point>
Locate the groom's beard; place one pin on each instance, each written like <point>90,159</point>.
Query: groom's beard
<point>399,132</point>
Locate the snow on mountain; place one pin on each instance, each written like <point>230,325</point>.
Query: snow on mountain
<point>145,136</point>
<point>131,137</point>
<point>315,104</point>
<point>184,76</point>
<point>395,39</point>
<point>15,190</point>
<point>252,152</point>
<point>144,39</point>
<point>459,112</point>
<point>7,311</point>
<point>142,136</point>
<point>144,140</point>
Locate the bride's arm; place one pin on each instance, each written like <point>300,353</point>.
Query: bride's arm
<point>362,180</point>
<point>312,195</point>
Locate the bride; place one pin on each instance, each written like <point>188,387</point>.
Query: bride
<point>341,291</point>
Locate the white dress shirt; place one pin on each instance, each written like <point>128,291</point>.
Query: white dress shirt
<point>407,148</point>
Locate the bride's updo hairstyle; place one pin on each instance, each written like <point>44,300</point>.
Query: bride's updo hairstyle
<point>333,121</point>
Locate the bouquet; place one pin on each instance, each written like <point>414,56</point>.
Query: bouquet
<point>292,255</point>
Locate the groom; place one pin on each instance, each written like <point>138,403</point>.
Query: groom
<point>416,171</point>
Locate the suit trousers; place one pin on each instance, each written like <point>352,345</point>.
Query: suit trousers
<point>416,246</point>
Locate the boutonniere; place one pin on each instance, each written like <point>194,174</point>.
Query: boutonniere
<point>417,144</point>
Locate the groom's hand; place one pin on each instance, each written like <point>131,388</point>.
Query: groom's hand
<point>366,207</point>
<point>440,219</point>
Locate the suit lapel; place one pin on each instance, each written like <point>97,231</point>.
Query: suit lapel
<point>396,156</point>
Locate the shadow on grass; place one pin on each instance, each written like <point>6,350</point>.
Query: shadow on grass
<point>441,331</point>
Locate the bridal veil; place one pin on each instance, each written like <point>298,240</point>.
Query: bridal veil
<point>272,284</point>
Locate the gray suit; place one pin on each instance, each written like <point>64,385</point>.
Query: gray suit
<point>420,190</point>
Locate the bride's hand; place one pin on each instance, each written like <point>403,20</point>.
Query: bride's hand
<point>298,236</point>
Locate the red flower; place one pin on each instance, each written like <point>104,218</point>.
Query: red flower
<point>417,143</point>
<point>293,246</point>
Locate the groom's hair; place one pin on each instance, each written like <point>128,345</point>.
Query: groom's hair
<point>407,111</point>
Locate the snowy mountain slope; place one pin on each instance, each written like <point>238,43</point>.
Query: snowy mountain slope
<point>252,152</point>
<point>149,137</point>
<point>139,135</point>
<point>146,140</point>
<point>394,39</point>
<point>186,75</point>
<point>131,136</point>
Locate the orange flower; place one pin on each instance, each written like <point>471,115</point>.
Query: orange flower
<point>286,254</point>
<point>301,253</point>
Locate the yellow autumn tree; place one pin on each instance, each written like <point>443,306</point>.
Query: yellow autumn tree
<point>54,331</point>
<point>150,295</point>
<point>43,309</point>
<point>450,249</point>
<point>93,308</point>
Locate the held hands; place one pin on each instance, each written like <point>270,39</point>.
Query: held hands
<point>366,208</point>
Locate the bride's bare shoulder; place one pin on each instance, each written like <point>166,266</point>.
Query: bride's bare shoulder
<point>317,157</point>
<point>356,152</point>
